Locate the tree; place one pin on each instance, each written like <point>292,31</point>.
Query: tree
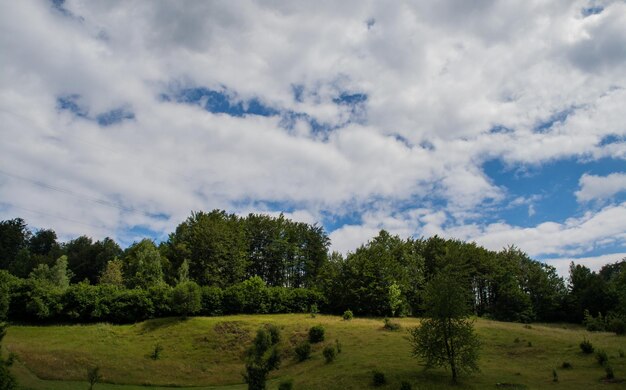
<point>142,263</point>
<point>262,357</point>
<point>113,273</point>
<point>57,276</point>
<point>187,298</point>
<point>395,298</point>
<point>93,376</point>
<point>446,335</point>
<point>7,381</point>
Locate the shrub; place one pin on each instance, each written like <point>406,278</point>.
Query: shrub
<point>602,357</point>
<point>555,376</point>
<point>621,353</point>
<point>530,344</point>
<point>517,340</point>
<point>314,310</point>
<point>338,346</point>
<point>609,372</point>
<point>187,298</point>
<point>617,325</point>
<point>405,386</point>
<point>274,332</point>
<point>594,324</point>
<point>567,366</point>
<point>316,334</point>
<point>586,347</point>
<point>212,297</point>
<point>348,315</point>
<point>330,353</point>
<point>378,378</point>
<point>156,352</point>
<point>390,325</point>
<point>303,351</point>
<point>93,376</point>
<point>286,385</point>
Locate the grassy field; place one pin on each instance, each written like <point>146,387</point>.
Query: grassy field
<point>207,353</point>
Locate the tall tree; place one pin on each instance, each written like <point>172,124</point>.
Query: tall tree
<point>446,336</point>
<point>143,265</point>
<point>14,238</point>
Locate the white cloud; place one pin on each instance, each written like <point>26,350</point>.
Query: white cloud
<point>600,187</point>
<point>593,263</point>
<point>442,74</point>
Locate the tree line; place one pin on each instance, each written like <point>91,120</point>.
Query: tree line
<point>220,263</point>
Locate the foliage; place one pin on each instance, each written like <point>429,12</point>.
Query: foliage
<point>338,346</point>
<point>156,352</point>
<point>609,372</point>
<point>378,378</point>
<point>316,334</point>
<point>390,325</point>
<point>7,381</point>
<point>93,376</point>
<point>394,295</point>
<point>446,337</point>
<point>262,357</point>
<point>567,366</point>
<point>347,315</point>
<point>330,353</point>
<point>405,386</point>
<point>113,273</point>
<point>187,299</point>
<point>314,310</point>
<point>143,265</point>
<point>286,385</point>
<point>555,375</point>
<point>586,347</point>
<point>601,357</point>
<point>303,351</point>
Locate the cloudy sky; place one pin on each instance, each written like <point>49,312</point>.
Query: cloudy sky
<point>496,122</point>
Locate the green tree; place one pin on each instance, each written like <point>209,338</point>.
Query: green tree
<point>446,336</point>
<point>395,298</point>
<point>262,357</point>
<point>113,273</point>
<point>57,276</point>
<point>187,298</point>
<point>143,265</point>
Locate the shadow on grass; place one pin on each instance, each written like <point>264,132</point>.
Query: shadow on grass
<point>160,323</point>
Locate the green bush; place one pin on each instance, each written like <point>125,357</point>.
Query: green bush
<point>405,386</point>
<point>286,385</point>
<point>609,372</point>
<point>303,351</point>
<point>274,332</point>
<point>555,376</point>
<point>348,315</point>
<point>187,299</point>
<point>316,334</point>
<point>617,325</point>
<point>156,352</point>
<point>567,366</point>
<point>330,353</point>
<point>212,297</point>
<point>594,324</point>
<point>378,378</point>
<point>621,353</point>
<point>586,347</point>
<point>390,325</point>
<point>602,357</point>
<point>338,346</point>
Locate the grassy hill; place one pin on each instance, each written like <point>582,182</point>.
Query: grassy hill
<point>207,352</point>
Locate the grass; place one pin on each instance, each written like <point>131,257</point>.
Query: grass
<point>207,352</point>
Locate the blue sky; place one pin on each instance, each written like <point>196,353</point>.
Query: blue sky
<point>500,123</point>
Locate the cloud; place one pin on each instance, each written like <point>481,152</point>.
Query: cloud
<point>324,110</point>
<point>594,263</point>
<point>594,187</point>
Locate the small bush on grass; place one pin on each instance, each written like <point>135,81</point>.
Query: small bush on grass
<point>390,325</point>
<point>316,334</point>
<point>602,357</point>
<point>530,344</point>
<point>93,376</point>
<point>338,346</point>
<point>618,326</point>
<point>330,353</point>
<point>567,366</point>
<point>405,386</point>
<point>303,351</point>
<point>348,315</point>
<point>378,378</point>
<point>156,352</point>
<point>609,372</point>
<point>517,340</point>
<point>314,310</point>
<point>621,353</point>
<point>286,385</point>
<point>586,347</point>
<point>274,332</point>
<point>555,376</point>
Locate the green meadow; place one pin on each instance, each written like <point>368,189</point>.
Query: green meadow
<point>207,353</point>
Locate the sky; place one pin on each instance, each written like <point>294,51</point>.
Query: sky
<point>502,123</point>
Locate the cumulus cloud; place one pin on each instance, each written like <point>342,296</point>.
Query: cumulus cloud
<point>600,187</point>
<point>434,82</point>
